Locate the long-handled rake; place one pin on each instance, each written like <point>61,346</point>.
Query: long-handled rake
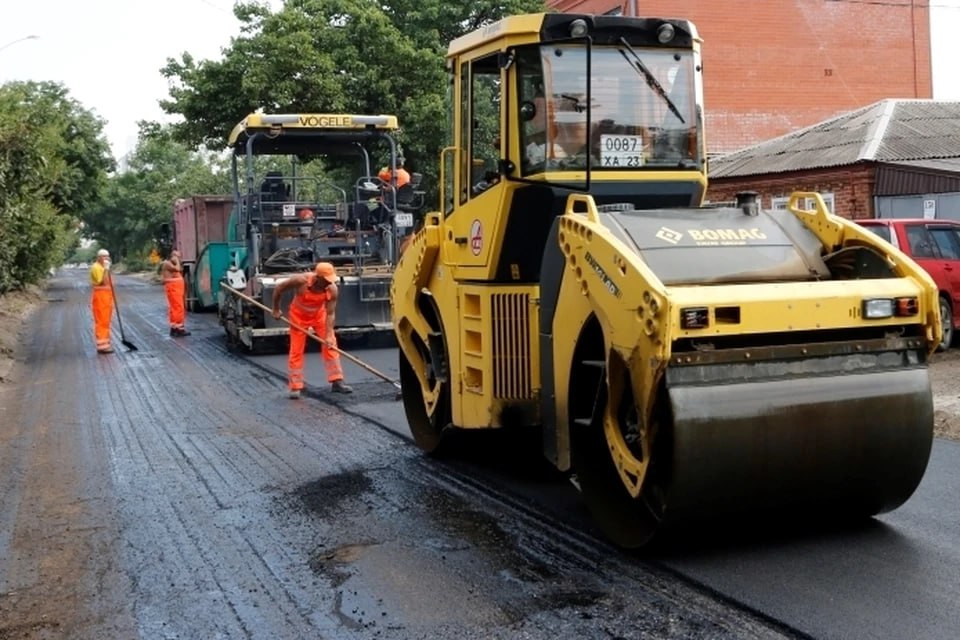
<point>123,338</point>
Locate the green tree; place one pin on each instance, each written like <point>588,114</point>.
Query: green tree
<point>54,161</point>
<point>71,139</point>
<point>137,201</point>
<point>354,56</point>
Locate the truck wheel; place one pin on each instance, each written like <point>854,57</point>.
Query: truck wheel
<point>428,411</point>
<point>614,458</point>
<point>946,318</point>
<point>228,320</point>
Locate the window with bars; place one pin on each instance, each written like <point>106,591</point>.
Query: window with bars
<point>780,203</point>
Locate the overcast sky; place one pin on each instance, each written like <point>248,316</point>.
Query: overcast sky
<point>109,52</point>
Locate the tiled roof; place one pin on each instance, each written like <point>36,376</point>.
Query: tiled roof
<point>892,131</point>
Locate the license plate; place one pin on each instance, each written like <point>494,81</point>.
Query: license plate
<point>404,219</point>
<point>621,151</point>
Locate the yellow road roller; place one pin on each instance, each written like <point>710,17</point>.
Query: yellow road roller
<point>683,361</point>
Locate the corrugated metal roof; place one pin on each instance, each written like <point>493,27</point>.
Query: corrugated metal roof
<point>917,177</point>
<point>886,131</point>
<point>934,164</point>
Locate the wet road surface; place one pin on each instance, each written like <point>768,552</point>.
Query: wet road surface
<point>896,576</point>
<point>174,492</point>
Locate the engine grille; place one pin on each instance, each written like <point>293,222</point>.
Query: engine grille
<point>510,314</point>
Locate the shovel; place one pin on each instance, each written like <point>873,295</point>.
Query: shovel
<point>293,324</point>
<point>123,338</point>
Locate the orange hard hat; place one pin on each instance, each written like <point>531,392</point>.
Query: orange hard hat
<point>306,214</point>
<point>326,271</point>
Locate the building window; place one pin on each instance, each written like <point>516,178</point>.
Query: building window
<point>807,203</point>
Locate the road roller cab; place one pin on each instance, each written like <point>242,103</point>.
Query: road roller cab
<point>683,361</point>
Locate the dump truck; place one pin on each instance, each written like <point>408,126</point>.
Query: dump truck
<point>682,362</point>
<point>288,217</point>
<point>200,233</point>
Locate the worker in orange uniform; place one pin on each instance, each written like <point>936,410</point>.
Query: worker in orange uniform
<point>306,222</point>
<point>171,272</point>
<point>403,177</point>
<point>387,200</point>
<point>102,301</point>
<point>314,306</point>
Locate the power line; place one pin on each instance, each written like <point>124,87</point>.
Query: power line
<point>216,6</point>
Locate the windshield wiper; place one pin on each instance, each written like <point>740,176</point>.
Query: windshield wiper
<point>637,64</point>
<point>578,106</point>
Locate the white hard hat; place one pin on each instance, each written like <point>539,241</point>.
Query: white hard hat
<point>103,253</point>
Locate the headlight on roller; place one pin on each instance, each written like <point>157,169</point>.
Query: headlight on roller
<point>878,308</point>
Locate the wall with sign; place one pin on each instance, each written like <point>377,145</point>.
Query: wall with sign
<point>942,206</point>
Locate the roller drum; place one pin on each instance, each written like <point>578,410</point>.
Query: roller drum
<point>852,444</point>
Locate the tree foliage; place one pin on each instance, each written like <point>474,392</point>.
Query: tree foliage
<point>54,161</point>
<point>315,56</point>
<point>137,201</point>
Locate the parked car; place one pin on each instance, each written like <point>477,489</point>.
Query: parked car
<point>935,246</point>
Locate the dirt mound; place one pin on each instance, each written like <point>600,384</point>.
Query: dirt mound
<point>15,307</point>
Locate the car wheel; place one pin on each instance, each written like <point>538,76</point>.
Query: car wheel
<point>946,319</point>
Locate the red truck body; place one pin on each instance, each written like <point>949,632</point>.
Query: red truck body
<point>201,233</point>
<point>198,221</point>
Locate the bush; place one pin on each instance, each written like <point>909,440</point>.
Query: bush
<point>33,239</point>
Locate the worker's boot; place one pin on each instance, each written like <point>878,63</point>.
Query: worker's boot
<point>294,394</point>
<point>338,386</point>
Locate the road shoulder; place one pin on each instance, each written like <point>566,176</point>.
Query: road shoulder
<point>15,310</point>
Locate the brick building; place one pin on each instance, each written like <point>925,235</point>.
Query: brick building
<point>777,66</point>
<point>891,159</point>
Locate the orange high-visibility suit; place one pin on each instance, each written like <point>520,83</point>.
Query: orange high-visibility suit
<point>102,305</point>
<point>403,176</point>
<point>173,286</point>
<point>309,310</point>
